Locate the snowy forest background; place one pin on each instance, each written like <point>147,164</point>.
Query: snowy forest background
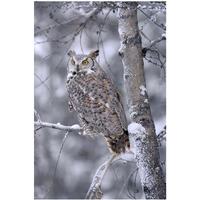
<point>58,30</point>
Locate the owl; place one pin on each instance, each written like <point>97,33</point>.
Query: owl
<point>97,101</point>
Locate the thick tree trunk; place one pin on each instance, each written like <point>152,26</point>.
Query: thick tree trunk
<point>142,129</point>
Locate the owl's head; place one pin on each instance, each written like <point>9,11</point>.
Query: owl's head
<point>80,62</point>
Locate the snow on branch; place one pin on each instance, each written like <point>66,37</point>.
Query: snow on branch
<point>158,6</point>
<point>135,128</point>
<point>94,191</point>
<point>155,6</point>
<point>59,126</point>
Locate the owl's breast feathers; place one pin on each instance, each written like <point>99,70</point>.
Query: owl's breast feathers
<point>97,101</point>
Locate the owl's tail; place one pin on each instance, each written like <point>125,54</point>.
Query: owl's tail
<point>117,143</point>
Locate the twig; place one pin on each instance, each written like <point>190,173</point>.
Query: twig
<point>146,21</point>
<point>94,191</point>
<point>37,115</point>
<point>104,54</point>
<point>91,17</point>
<point>142,33</point>
<point>77,31</point>
<point>59,126</point>
<point>61,147</point>
<point>161,136</point>
<point>134,187</point>
<point>129,176</point>
<point>163,37</point>
<point>57,66</point>
<point>164,28</point>
<point>38,119</point>
<point>101,29</point>
<point>81,42</point>
<point>56,49</point>
<point>154,42</point>
<point>41,81</point>
<point>47,28</point>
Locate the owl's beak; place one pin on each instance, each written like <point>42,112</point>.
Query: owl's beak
<point>77,68</point>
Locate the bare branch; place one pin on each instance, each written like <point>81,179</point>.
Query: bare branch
<point>81,42</point>
<point>153,21</point>
<point>56,49</point>
<point>91,17</point>
<point>161,136</point>
<point>61,147</point>
<point>154,42</point>
<point>57,66</point>
<point>59,126</point>
<point>95,192</point>
<point>104,54</point>
<point>101,29</point>
<point>127,180</point>
<point>37,115</point>
<point>47,28</point>
<point>41,81</point>
<point>77,31</point>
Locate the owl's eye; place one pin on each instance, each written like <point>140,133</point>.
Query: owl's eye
<point>85,62</point>
<point>73,62</point>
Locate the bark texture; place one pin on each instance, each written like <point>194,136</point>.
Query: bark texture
<point>144,138</point>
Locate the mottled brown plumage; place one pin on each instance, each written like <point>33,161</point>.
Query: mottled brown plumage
<point>98,103</point>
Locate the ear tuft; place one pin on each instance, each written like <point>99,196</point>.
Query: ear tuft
<point>94,54</point>
<point>71,53</point>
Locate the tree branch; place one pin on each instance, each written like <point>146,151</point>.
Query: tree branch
<point>37,115</point>
<point>161,136</point>
<point>95,189</point>
<point>154,42</point>
<point>77,31</point>
<point>94,192</point>
<point>54,174</point>
<point>159,25</point>
<point>59,126</point>
<point>47,28</point>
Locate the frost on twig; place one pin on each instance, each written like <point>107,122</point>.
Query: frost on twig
<point>94,191</point>
<point>59,126</point>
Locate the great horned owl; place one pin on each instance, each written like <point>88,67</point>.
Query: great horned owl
<point>97,101</point>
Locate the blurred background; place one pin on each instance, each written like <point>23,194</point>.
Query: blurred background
<point>63,26</point>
